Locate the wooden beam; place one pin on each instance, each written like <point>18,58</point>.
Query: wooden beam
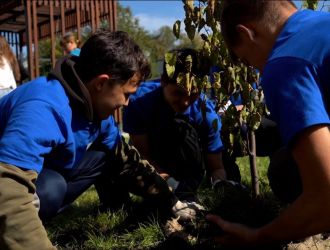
<point>6,6</point>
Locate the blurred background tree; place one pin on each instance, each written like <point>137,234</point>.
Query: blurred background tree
<point>154,44</point>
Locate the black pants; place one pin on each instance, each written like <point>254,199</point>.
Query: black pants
<point>114,173</point>
<point>176,148</point>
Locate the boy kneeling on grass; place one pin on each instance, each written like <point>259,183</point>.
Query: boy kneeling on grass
<point>58,137</point>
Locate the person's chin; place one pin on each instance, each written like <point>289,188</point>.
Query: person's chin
<point>107,115</point>
<point>180,109</point>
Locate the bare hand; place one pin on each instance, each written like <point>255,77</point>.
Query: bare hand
<point>218,174</point>
<point>164,175</point>
<point>234,234</point>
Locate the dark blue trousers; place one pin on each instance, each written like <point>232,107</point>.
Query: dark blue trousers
<point>58,188</point>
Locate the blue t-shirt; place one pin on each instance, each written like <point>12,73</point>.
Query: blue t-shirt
<point>39,128</point>
<point>148,110</point>
<point>296,78</point>
<point>75,52</point>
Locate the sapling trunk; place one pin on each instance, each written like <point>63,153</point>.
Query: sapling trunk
<point>253,164</point>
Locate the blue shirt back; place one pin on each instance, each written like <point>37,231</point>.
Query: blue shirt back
<point>296,78</point>
<point>148,111</point>
<point>38,127</point>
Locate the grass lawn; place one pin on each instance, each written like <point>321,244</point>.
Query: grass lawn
<point>82,226</point>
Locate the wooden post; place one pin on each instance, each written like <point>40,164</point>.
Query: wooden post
<point>253,164</point>
<point>114,13</point>
<point>52,33</point>
<point>29,39</point>
<point>35,37</point>
<point>92,11</point>
<point>97,14</point>
<point>78,20</point>
<point>62,17</point>
<point>110,13</point>
<point>16,45</point>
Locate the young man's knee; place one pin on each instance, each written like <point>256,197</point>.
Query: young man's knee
<point>51,190</point>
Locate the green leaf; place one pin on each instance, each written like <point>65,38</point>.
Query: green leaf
<point>170,70</point>
<point>181,80</point>
<point>176,29</point>
<point>188,63</point>
<point>231,139</point>
<point>190,28</point>
<point>170,61</point>
<point>170,58</point>
<point>205,37</point>
<point>208,85</point>
<point>255,120</point>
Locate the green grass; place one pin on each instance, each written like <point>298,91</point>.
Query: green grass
<point>82,226</point>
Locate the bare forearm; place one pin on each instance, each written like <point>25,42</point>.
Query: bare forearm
<point>141,142</point>
<point>215,166</point>
<point>308,215</point>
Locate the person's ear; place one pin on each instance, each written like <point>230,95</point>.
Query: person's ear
<point>100,81</point>
<point>246,32</point>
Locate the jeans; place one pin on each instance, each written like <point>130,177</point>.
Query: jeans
<point>57,189</point>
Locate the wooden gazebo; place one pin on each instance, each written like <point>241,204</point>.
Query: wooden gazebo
<point>25,22</point>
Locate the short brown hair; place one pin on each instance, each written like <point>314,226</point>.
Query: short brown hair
<point>69,37</point>
<point>114,53</point>
<point>236,12</point>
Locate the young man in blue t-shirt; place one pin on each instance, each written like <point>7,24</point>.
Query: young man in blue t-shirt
<point>58,137</point>
<point>292,51</point>
<point>168,127</point>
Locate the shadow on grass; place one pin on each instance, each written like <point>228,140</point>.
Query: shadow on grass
<point>83,226</point>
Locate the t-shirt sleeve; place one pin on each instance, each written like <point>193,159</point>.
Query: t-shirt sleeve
<point>294,96</point>
<point>213,122</point>
<point>32,130</point>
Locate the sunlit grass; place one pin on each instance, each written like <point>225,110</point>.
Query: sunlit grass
<point>82,226</point>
